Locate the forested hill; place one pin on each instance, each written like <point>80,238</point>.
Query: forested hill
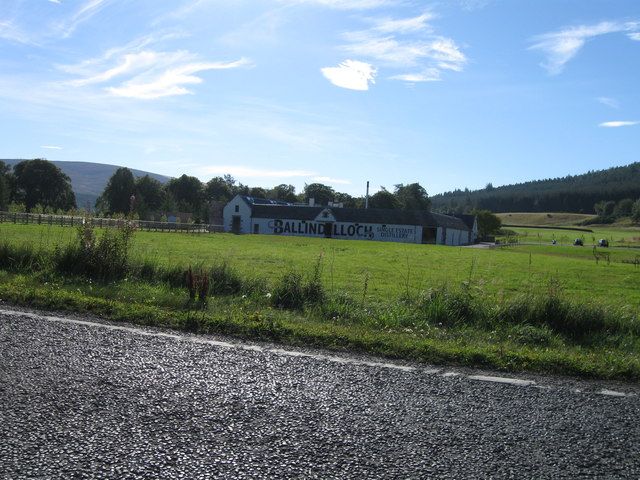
<point>574,193</point>
<point>88,179</point>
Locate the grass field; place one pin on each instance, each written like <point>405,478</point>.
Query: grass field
<point>543,219</point>
<point>391,292</point>
<point>392,269</point>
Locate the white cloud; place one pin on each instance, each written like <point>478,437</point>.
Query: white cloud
<point>51,147</point>
<point>240,171</point>
<point>560,47</point>
<point>150,74</point>
<point>87,10</point>
<point>404,25</point>
<point>171,81</point>
<point>337,181</point>
<point>351,74</point>
<point>346,4</point>
<point>405,44</point>
<point>609,102</point>
<point>428,75</point>
<point>618,123</point>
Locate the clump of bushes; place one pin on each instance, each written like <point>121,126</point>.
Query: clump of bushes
<point>103,257</point>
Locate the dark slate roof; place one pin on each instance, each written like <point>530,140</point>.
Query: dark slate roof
<point>469,220</point>
<point>360,215</point>
<point>262,201</point>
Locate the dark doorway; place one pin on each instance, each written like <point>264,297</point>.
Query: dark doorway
<point>328,228</point>
<point>429,235</point>
<point>235,224</point>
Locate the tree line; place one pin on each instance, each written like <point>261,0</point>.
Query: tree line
<point>39,185</point>
<point>573,193</point>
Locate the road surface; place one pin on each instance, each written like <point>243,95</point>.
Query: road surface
<point>86,400</point>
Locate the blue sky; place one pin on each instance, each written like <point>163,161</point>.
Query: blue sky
<point>451,94</point>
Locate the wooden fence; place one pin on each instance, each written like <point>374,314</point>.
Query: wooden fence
<point>74,221</point>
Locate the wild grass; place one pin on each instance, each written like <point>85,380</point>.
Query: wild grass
<point>458,320</point>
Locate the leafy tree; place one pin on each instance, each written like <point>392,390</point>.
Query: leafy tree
<point>623,208</point>
<point>412,197</point>
<point>116,197</point>
<point>220,189</point>
<point>384,199</point>
<point>604,209</point>
<point>635,212</point>
<point>5,186</point>
<point>322,194</point>
<point>149,196</point>
<point>286,193</point>
<point>188,193</point>
<point>488,223</point>
<point>257,192</point>
<point>41,182</point>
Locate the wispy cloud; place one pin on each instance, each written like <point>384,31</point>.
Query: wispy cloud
<point>337,181</point>
<point>150,74</point>
<point>404,25</point>
<point>351,74</point>
<point>406,44</point>
<point>619,123</point>
<point>250,172</point>
<point>562,46</point>
<point>345,4</point>
<point>51,147</point>
<point>609,102</point>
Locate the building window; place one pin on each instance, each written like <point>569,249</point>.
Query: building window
<point>237,208</point>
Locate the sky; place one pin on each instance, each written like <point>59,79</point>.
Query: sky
<point>449,93</point>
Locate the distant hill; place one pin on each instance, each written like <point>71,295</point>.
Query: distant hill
<point>573,193</point>
<point>88,179</point>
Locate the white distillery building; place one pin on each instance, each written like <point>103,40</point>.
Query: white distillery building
<point>244,214</point>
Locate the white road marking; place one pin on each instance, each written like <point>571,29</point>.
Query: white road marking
<point>293,353</point>
<point>510,381</point>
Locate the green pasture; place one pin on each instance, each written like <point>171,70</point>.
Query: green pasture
<point>390,270</point>
<point>617,236</point>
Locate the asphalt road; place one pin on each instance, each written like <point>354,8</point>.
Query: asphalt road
<point>87,401</point>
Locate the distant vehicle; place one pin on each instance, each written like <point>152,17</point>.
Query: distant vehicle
<point>603,242</point>
<point>578,242</point>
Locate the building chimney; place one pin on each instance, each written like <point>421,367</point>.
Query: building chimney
<point>366,199</point>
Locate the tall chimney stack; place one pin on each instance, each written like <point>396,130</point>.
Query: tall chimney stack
<point>366,199</point>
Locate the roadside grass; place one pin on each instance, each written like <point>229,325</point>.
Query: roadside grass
<point>391,269</point>
<point>540,325</point>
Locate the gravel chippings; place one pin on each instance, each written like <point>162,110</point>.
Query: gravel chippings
<point>80,401</point>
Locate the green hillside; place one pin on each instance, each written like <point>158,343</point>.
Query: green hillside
<point>88,179</point>
<point>573,193</point>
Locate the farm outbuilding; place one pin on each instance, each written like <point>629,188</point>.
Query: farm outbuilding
<point>244,214</point>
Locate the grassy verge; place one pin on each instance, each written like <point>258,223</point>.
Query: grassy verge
<point>541,329</point>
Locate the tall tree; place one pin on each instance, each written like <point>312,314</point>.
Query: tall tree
<point>40,182</point>
<point>488,223</point>
<point>188,193</point>
<point>116,197</point>
<point>412,197</point>
<point>322,194</point>
<point>5,186</point>
<point>384,199</point>
<point>284,192</point>
<point>220,189</point>
<point>149,195</point>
